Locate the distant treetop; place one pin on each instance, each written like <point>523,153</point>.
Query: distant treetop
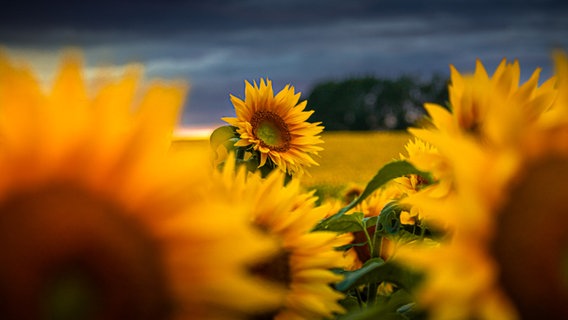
<point>370,103</point>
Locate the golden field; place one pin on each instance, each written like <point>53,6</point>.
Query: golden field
<point>348,157</point>
<point>355,156</point>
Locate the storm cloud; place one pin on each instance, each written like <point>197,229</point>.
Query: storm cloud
<point>217,45</point>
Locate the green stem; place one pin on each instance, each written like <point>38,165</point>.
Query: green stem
<point>377,241</point>
<point>422,232</point>
<point>359,298</point>
<point>370,242</point>
<point>372,286</point>
<point>372,293</point>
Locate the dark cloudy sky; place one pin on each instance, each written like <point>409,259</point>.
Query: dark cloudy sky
<point>217,44</point>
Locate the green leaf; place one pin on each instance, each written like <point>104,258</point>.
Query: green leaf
<point>350,303</point>
<point>376,270</point>
<point>221,135</point>
<point>391,170</point>
<point>388,172</point>
<point>360,276</point>
<point>346,223</point>
<point>350,245</point>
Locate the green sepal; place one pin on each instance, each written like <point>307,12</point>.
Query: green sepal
<point>230,144</point>
<point>221,135</point>
<point>249,164</point>
<point>389,219</point>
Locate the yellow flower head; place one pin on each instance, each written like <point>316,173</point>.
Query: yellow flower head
<point>425,157</point>
<point>505,258</point>
<point>421,197</point>
<point>99,219</point>
<point>276,126</point>
<point>491,109</point>
<point>409,217</point>
<point>494,112</point>
<point>302,266</point>
<point>558,113</point>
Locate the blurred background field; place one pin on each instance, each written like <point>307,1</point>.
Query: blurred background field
<point>349,157</point>
<point>355,156</point>
<point>352,158</point>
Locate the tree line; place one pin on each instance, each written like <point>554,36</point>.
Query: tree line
<point>370,103</point>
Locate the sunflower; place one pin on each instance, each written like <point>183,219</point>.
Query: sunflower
<point>302,265</point>
<point>99,219</point>
<point>558,113</point>
<point>478,103</point>
<point>506,257</point>
<point>460,282</point>
<point>494,112</point>
<point>418,194</point>
<point>276,127</point>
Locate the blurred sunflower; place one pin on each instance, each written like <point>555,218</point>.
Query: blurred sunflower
<point>423,198</point>
<point>506,258</point>
<point>558,113</point>
<point>478,103</point>
<point>302,265</point>
<point>276,126</point>
<point>98,219</point>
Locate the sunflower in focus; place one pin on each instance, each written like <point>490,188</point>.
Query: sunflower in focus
<point>276,127</point>
<point>99,219</point>
<point>301,267</point>
<point>506,256</point>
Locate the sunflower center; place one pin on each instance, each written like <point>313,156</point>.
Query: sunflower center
<point>471,122</point>
<point>68,255</point>
<point>276,269</point>
<point>531,242</point>
<point>271,130</point>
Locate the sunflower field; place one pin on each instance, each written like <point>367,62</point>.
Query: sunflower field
<point>106,215</point>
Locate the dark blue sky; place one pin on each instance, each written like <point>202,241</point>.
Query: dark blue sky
<point>217,44</point>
